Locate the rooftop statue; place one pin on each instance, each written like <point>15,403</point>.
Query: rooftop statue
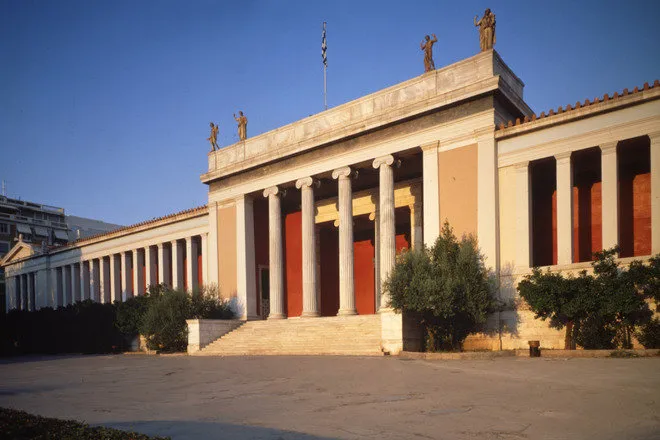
<point>213,139</point>
<point>427,47</point>
<point>242,125</point>
<point>486,30</point>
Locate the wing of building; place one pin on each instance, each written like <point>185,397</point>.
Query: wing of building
<point>306,220</point>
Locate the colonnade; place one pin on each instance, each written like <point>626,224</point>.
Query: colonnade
<point>385,242</point>
<point>565,214</point>
<point>115,276</point>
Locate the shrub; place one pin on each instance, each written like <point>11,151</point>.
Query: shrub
<point>447,286</point>
<point>649,335</point>
<point>164,323</point>
<point>16,424</point>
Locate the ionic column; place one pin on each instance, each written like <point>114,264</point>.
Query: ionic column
<point>374,217</point>
<point>11,298</point>
<point>115,278</point>
<point>138,274</point>
<point>61,278</point>
<point>246,286</point>
<point>205,265</point>
<point>23,292</point>
<point>30,291</point>
<point>126,275</point>
<point>609,177</point>
<point>564,208</point>
<point>416,238</point>
<point>431,193</point>
<point>68,285</point>
<point>523,217</point>
<point>655,192</point>
<point>177,265</point>
<point>275,253</point>
<point>387,224</point>
<point>310,300</point>
<point>150,265</point>
<point>84,280</point>
<point>94,285</point>
<point>75,282</point>
<point>163,265</point>
<point>346,270</point>
<point>104,281</point>
<point>191,264</point>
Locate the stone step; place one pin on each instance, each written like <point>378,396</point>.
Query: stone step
<point>348,335</point>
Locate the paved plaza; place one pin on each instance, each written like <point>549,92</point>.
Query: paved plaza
<point>343,397</point>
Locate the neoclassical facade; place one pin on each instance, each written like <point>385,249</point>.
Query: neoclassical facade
<point>305,221</point>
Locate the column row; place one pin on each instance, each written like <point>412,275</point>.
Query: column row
<point>385,241</point>
<point>565,217</point>
<point>180,264</point>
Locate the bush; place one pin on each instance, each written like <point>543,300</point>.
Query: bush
<point>447,286</point>
<point>649,335</point>
<point>21,425</point>
<point>600,310</point>
<point>164,322</point>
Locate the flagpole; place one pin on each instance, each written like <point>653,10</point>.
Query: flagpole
<point>325,69</point>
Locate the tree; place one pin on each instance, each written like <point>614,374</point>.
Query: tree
<point>599,310</point>
<point>448,286</point>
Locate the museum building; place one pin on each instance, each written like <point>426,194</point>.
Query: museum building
<point>304,222</point>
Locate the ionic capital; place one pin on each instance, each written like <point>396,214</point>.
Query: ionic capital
<point>383,160</point>
<point>307,182</point>
<point>344,172</point>
<point>271,191</point>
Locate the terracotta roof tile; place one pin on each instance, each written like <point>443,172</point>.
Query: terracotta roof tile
<point>578,105</point>
<point>126,229</point>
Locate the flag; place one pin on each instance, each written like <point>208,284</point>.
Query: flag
<point>324,47</point>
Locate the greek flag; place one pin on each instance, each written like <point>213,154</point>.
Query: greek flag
<point>324,47</point>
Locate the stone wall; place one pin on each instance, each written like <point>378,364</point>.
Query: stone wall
<point>201,332</point>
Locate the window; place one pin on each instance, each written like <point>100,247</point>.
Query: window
<point>4,228</point>
<point>4,247</point>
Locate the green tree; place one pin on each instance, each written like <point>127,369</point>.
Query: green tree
<point>447,286</point>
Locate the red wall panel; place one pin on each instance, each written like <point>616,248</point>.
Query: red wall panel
<point>293,263</point>
<point>363,258</point>
<point>329,238</point>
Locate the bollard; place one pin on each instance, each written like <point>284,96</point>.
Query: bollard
<point>534,349</point>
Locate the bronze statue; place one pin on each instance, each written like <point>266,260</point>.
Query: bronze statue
<point>213,139</point>
<point>242,125</point>
<point>486,30</point>
<point>427,47</point>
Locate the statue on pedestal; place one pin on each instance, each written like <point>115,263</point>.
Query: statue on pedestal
<point>427,47</point>
<point>242,125</point>
<point>213,139</point>
<point>486,30</point>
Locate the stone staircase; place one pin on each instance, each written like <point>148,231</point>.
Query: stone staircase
<point>338,335</point>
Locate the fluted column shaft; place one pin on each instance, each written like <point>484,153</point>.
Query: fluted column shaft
<point>150,259</point>
<point>655,192</point>
<point>564,209</point>
<point>609,177</point>
<point>387,224</point>
<point>177,265</point>
<point>275,253</point>
<point>205,265</point>
<point>94,285</point>
<point>84,280</point>
<point>523,218</point>
<point>310,300</point>
<point>138,274</point>
<point>115,278</point>
<point>346,270</point>
<point>163,265</point>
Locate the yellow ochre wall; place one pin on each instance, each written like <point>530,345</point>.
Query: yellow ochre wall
<point>227,251</point>
<point>457,182</point>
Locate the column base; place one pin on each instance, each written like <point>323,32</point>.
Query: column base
<point>347,312</point>
<point>310,314</point>
<point>277,316</point>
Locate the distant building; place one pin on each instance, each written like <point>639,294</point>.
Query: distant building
<point>40,224</point>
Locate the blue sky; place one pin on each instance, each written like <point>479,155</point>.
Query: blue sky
<point>106,104</point>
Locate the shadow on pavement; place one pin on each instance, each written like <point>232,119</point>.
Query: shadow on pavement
<point>184,430</point>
